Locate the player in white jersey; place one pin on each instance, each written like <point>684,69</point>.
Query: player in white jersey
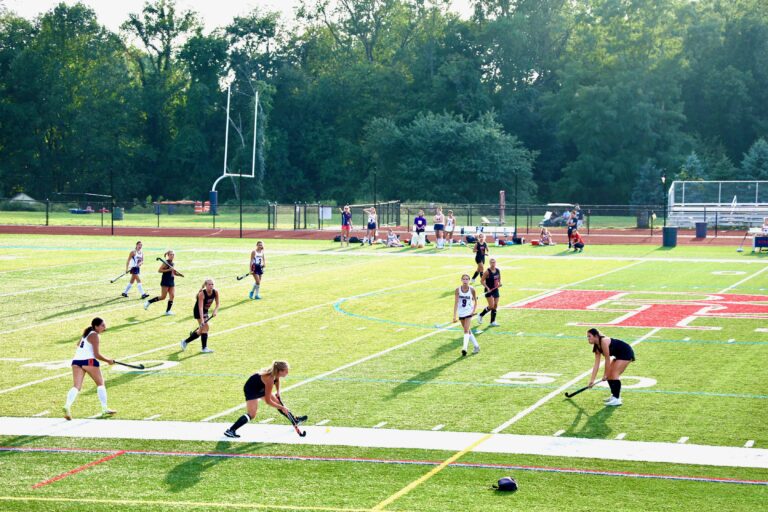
<point>464,308</point>
<point>133,265</point>
<point>258,264</point>
<point>370,232</point>
<point>450,225</point>
<point>86,360</point>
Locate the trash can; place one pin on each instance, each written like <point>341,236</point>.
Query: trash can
<point>117,213</point>
<point>701,230</point>
<point>669,236</point>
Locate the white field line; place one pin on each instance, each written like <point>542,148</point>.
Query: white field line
<point>321,423</point>
<point>604,449</point>
<point>744,280</point>
<point>621,436</point>
<point>58,287</point>
<point>559,433</point>
<point>437,427</point>
<point>153,417</point>
<point>44,413</point>
<point>268,420</point>
<point>252,324</point>
<point>525,412</point>
<point>749,444</point>
<point>379,425</point>
<point>682,440</point>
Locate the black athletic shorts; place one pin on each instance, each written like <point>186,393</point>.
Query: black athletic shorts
<point>494,293</point>
<point>480,258</point>
<point>196,312</point>
<point>254,387</point>
<point>622,351</point>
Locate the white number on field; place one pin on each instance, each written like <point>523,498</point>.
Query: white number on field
<point>640,382</point>
<point>527,378</point>
<point>51,365</point>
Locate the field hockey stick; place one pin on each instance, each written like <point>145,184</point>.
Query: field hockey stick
<point>137,366</point>
<point>169,266</point>
<point>292,419</point>
<point>205,321</point>
<point>570,395</point>
<point>118,277</point>
<point>240,278</point>
<point>741,245</point>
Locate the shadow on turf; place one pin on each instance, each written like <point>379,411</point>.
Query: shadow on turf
<point>424,377</point>
<point>595,426</point>
<point>83,307</point>
<point>18,441</point>
<point>190,472</point>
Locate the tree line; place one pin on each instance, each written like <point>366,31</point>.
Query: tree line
<point>561,100</point>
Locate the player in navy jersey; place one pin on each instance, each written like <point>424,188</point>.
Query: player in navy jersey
<point>491,280</point>
<point>86,360</point>
<point>464,307</point>
<point>133,265</point>
<point>167,283</point>
<point>346,224</point>
<point>205,298</point>
<point>258,264</point>
<point>481,251</point>
<point>618,354</point>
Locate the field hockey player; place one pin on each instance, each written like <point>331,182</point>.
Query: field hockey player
<point>618,354</point>
<point>133,266</point>
<point>258,263</point>
<point>86,360</point>
<point>464,307</point>
<point>205,298</point>
<point>491,280</point>
<point>167,283</point>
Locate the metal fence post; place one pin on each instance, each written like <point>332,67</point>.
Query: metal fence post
<point>47,208</point>
<point>716,219</point>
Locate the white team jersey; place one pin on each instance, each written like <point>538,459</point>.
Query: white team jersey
<point>84,349</point>
<point>449,223</point>
<point>466,304</point>
<point>371,218</point>
<point>138,257</point>
<point>258,259</point>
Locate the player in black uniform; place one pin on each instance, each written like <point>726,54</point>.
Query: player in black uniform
<point>481,251</point>
<point>622,355</point>
<point>492,282</point>
<point>167,283</point>
<point>260,385</point>
<point>205,297</point>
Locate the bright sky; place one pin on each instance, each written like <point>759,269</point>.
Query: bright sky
<point>215,13</point>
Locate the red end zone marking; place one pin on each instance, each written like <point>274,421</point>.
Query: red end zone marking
<point>571,299</point>
<point>77,470</point>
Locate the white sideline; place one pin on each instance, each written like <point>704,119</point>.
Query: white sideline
<point>389,438</point>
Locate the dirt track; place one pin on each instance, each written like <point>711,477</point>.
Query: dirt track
<point>595,237</point>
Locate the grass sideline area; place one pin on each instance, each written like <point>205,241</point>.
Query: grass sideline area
<point>376,323</point>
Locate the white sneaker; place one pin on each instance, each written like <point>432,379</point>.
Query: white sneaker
<point>479,320</point>
<point>494,324</point>
<point>183,345</point>
<point>206,350</point>
<point>169,313</point>
<point>472,281</point>
<point>146,305</point>
<point>613,402</point>
<point>476,351</point>
<point>608,398</point>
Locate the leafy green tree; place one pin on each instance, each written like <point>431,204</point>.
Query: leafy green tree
<point>754,166</point>
<point>692,169</point>
<point>648,189</point>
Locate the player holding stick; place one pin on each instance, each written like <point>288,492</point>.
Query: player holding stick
<point>167,282</point>
<point>481,251</point>
<point>464,307</point>
<point>618,354</point>
<point>86,360</point>
<point>205,297</point>
<point>133,265</point>
<point>492,282</point>
<point>258,263</point>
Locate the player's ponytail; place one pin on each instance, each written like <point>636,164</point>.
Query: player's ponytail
<point>204,282</point>
<point>275,369</point>
<point>94,324</point>
<point>594,332</point>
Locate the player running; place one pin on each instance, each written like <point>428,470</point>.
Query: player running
<point>481,251</point>
<point>492,282</point>
<point>260,385</point>
<point>618,354</point>
<point>464,307</point>
<point>205,297</point>
<point>133,265</point>
<point>258,264</point>
<point>167,283</point>
<point>86,360</point>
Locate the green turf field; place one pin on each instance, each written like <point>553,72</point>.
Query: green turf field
<point>376,321</point>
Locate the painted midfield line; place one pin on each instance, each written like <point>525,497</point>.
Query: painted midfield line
<point>744,280</point>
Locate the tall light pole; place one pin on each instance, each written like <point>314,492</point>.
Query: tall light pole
<point>515,233</point>
<point>664,194</point>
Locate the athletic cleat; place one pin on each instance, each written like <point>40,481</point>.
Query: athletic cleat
<point>250,294</point>
<point>169,313</point>
<point>476,351</point>
<point>494,324</point>
<point>231,433</point>
<point>463,353</point>
<point>144,296</point>
<point>472,281</point>
<point>613,402</point>
<point>479,319</point>
<point>67,413</point>
<point>124,295</point>
<point>257,297</point>
<point>146,305</point>
<point>183,345</point>
<point>608,398</point>
<point>206,350</point>
<point>108,413</point>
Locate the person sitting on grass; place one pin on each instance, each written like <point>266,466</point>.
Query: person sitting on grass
<point>577,241</point>
<point>392,240</point>
<point>545,237</point>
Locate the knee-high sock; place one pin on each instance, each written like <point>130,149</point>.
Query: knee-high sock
<point>170,305</point>
<point>466,342</point>
<point>242,420</point>
<point>474,276</point>
<point>127,288</point>
<point>483,313</point>
<point>141,288</point>
<point>154,299</point>
<point>204,339</point>
<point>101,391</point>
<point>71,396</point>
<point>615,386</point>
<point>474,340</point>
<point>493,315</point>
<point>192,337</point>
